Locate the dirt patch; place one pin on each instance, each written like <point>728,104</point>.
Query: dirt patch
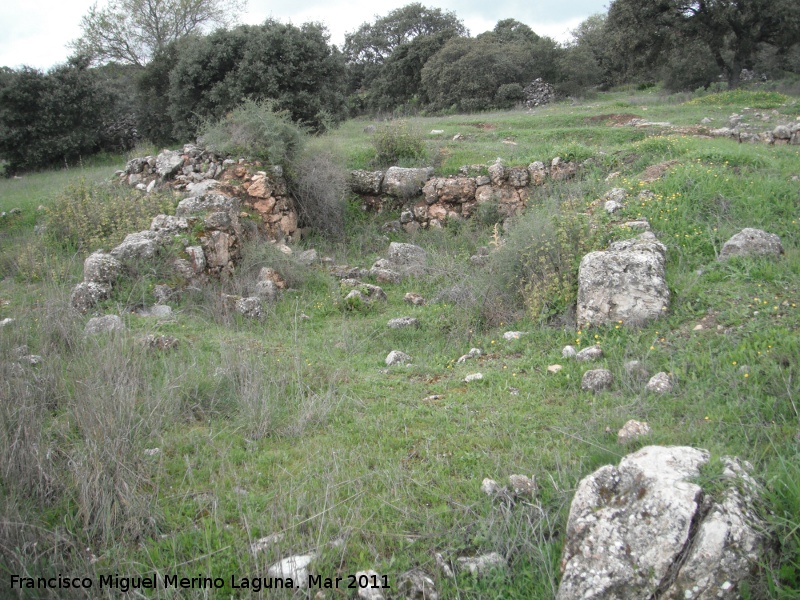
<point>656,172</point>
<point>485,126</point>
<point>614,119</point>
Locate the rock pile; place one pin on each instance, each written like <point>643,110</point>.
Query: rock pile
<point>538,93</point>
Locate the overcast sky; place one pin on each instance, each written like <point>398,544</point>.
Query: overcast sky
<point>36,32</point>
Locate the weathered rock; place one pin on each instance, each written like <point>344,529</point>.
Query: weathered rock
<point>561,171</point>
<point>591,353</point>
<point>217,248</point>
<point>408,258</point>
<point>636,370</point>
<point>169,224</point>
<point>372,589</point>
<point>597,380</point>
<point>625,283</point>
<point>160,311</point>
<point>517,177</point>
<point>160,342</point>
<point>473,377</point>
<point>395,357</point>
<point>405,183</point>
<point>632,431</point>
<point>481,565</point>
<point>87,294</point>
<point>270,274</point>
<point>385,275</point>
<point>250,307</point>
<point>414,298</point>
<point>403,322</point>
<point>449,189</point>
<point>104,324</point>
<point>660,383</point>
<point>307,257</point>
<point>538,93</point>
<point>168,163</point>
<point>416,585</point>
<point>513,335</point>
<point>752,242</point>
<point>366,182</point>
<point>267,290</point>
<point>497,173</point>
<point>294,567</point>
<point>568,352</point>
<point>522,486</point>
<point>537,173</point>
<point>373,292</point>
<point>211,202</point>
<point>644,529</point>
<point>100,267</point>
<point>473,353</point>
<point>142,245</point>
<point>490,487</point>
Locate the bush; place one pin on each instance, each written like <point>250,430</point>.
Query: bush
<point>87,216</point>
<point>255,130</point>
<point>319,186</point>
<point>743,98</point>
<point>397,142</point>
<point>508,95</point>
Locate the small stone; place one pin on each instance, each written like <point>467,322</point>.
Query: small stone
<point>481,565</point>
<point>152,451</point>
<point>395,357</point>
<point>522,486</point>
<point>403,323</point>
<point>266,542</point>
<point>473,353</point>
<point>294,567</point>
<point>104,324</point>
<point>554,368</point>
<point>250,307</point>
<point>473,377</point>
<point>659,383</point>
<point>597,380</point>
<point>490,487</point>
<point>369,592</point>
<point>636,370</point>
<point>631,431</point>
<point>612,206</point>
<point>6,321</point>
<point>414,298</point>
<point>698,327</point>
<point>590,354</point>
<point>568,352</point>
<point>513,335</point>
<point>416,585</point>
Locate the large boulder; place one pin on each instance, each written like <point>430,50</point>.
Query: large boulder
<point>100,267</point>
<point>168,163</point>
<point>752,242</point>
<point>366,182</point>
<point>143,244</point>
<point>87,294</point>
<point>646,529</point>
<point>624,283</point>
<point>449,189</point>
<point>408,259</point>
<point>405,183</point>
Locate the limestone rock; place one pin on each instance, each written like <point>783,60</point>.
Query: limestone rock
<point>522,486</point>
<point>537,173</point>
<point>368,592</point>
<point>449,189</point>
<point>625,283</point>
<point>597,380</point>
<point>143,244</point>
<point>373,292</point>
<point>87,294</point>
<point>632,431</point>
<point>752,242</point>
<point>104,324</point>
<point>416,585</point>
<point>589,354</point>
<point>250,307</point>
<point>169,224</point>
<point>396,357</point>
<point>490,487</point>
<point>267,290</point>
<point>294,567</point>
<point>414,298</point>
<point>513,335</point>
<point>405,183</point>
<point>481,565</point>
<point>100,267</point>
<point>473,377</point>
<point>366,182</point>
<point>168,163</point>
<point>644,529</point>
<point>636,370</point>
<point>568,352</point>
<point>660,383</point>
<point>307,257</point>
<point>403,323</point>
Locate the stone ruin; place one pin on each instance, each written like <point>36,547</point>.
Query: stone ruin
<point>538,93</point>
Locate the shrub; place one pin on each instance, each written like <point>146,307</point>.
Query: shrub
<point>320,189</point>
<point>397,142</point>
<point>256,130</point>
<point>742,97</point>
<point>87,216</point>
<point>508,95</point>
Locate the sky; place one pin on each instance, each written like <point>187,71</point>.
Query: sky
<point>36,33</point>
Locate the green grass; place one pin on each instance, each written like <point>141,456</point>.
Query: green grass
<point>295,426</point>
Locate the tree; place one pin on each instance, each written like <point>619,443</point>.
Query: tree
<point>643,32</point>
<point>132,31</point>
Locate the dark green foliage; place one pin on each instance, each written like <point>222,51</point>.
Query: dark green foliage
<point>468,72</point>
<point>154,120</point>
<point>292,66</point>
<point>397,143</point>
<point>53,118</point>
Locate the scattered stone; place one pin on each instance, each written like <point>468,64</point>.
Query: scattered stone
<point>368,592</point>
<point>162,293</point>
<point>104,324</point>
<point>366,183</point>
<point>568,352</point>
<point>632,431</point>
<point>307,257</point>
<point>395,357</point>
<point>416,585</point>
<point>405,183</point>
<point>7,321</point>
<point>414,298</point>
<point>636,370</point>
<point>590,354</point>
<point>645,529</point>
<point>443,565</point>
<point>264,543</point>
<point>403,322</point>
<point>538,93</point>
<point>100,267</point>
<point>473,353</point>
<point>659,383</point>
<point>250,307</point>
<point>624,283</point>
<point>641,225</point>
<point>490,487</point>
<point>31,359</point>
<point>267,290</point>
<point>142,245</point>
<point>160,342</point>
<point>481,565</point>
<point>612,206</point>
<point>522,486</point>
<point>168,163</point>
<point>87,294</point>
<point>294,567</point>
<point>270,274</point>
<point>612,176</point>
<point>597,380</point>
<point>160,311</point>
<point>410,259</point>
<point>554,368</point>
<point>752,242</point>
<point>366,290</point>
<point>513,335</point>
<point>473,377</point>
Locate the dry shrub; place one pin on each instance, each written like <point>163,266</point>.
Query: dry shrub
<point>398,143</point>
<point>320,187</point>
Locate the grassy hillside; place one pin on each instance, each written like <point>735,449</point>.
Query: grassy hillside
<point>294,425</point>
